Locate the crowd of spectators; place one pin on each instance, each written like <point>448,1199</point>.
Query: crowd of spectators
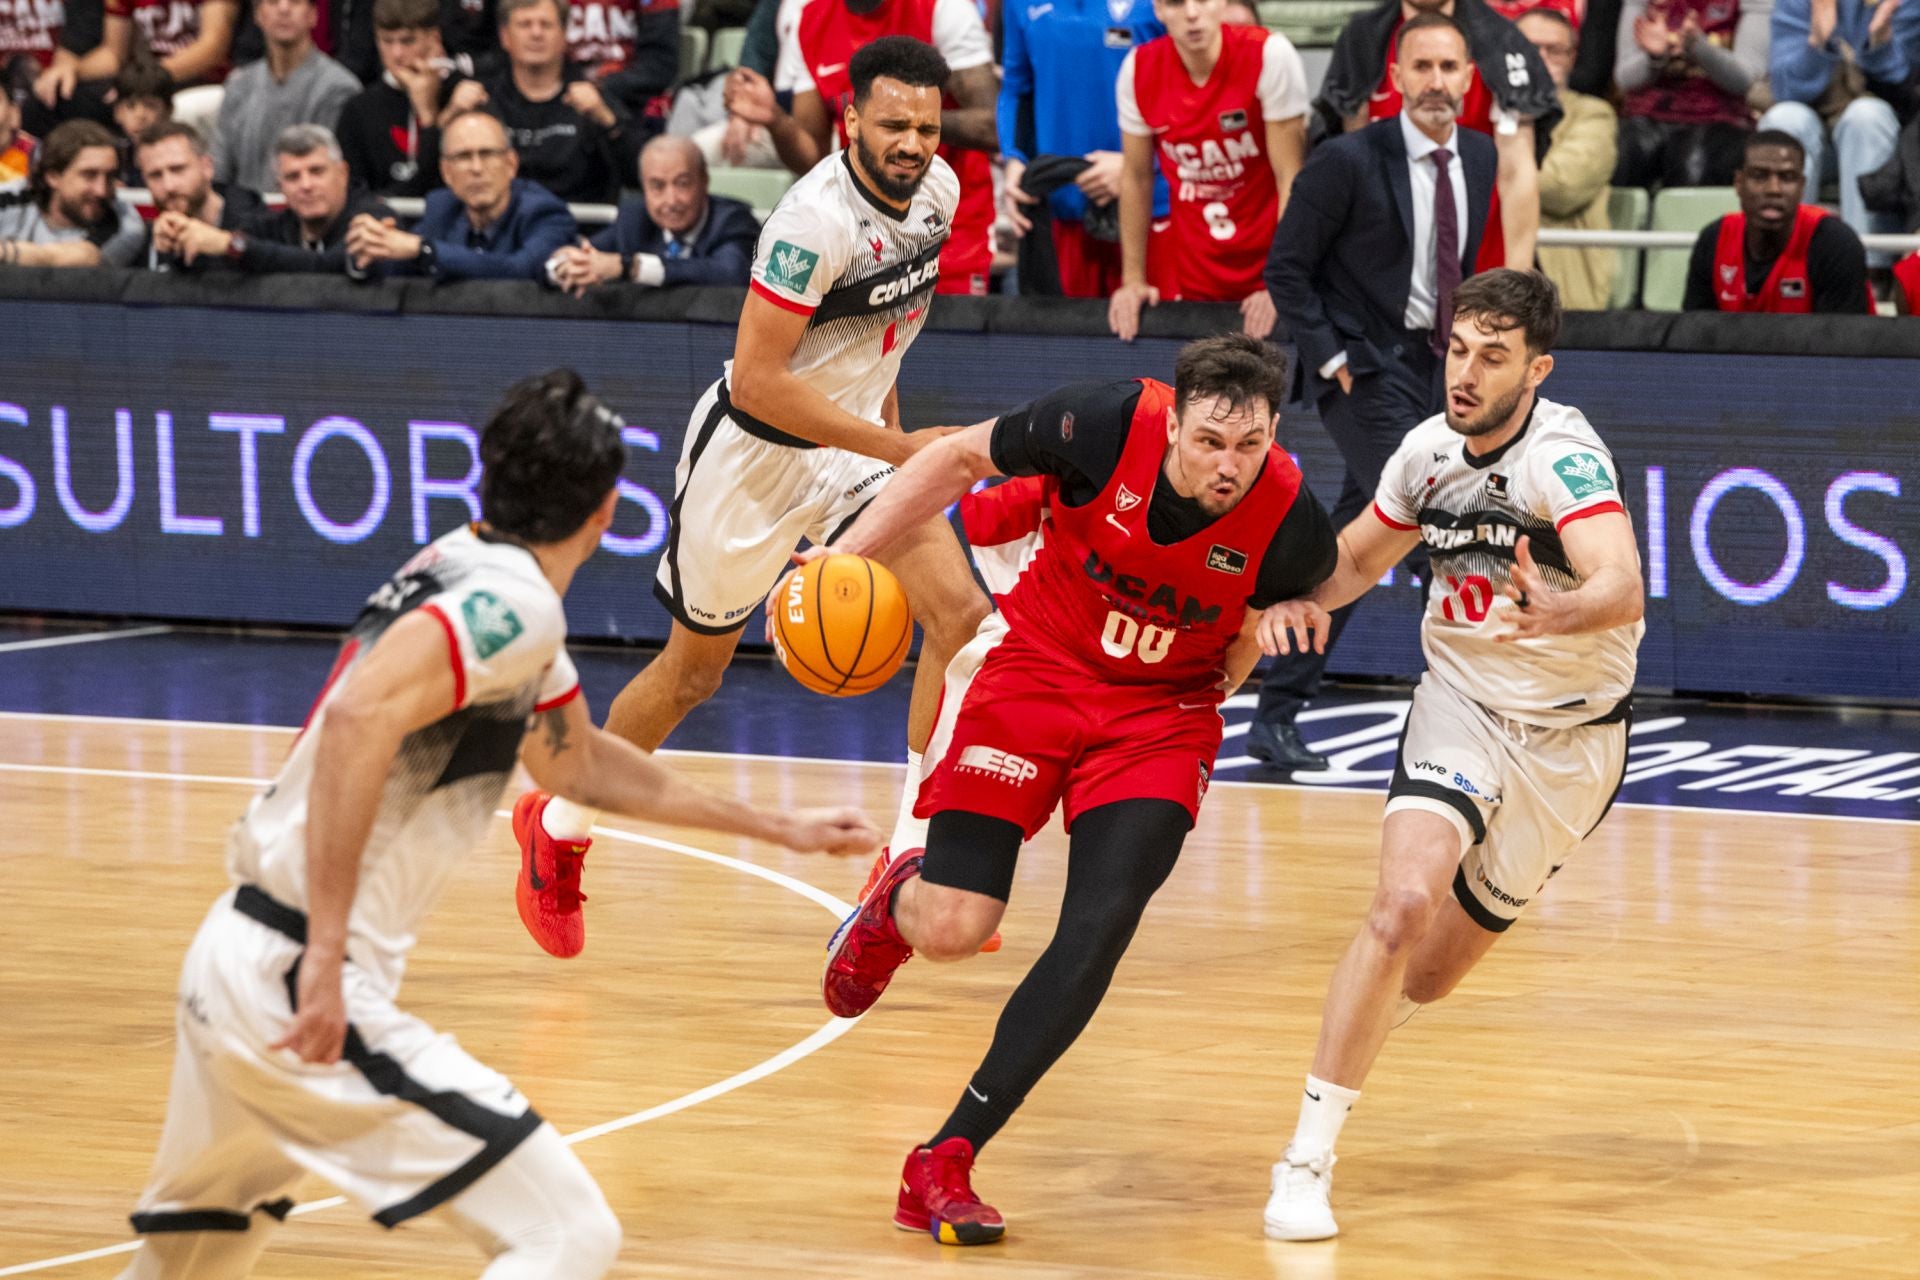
<point>1135,151</point>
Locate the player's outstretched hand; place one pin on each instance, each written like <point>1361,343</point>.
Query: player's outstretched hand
<point>1286,626</point>
<point>1537,608</point>
<point>844,830</point>
<point>319,1028</point>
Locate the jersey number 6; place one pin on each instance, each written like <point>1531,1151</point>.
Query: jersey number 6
<point>1122,636</point>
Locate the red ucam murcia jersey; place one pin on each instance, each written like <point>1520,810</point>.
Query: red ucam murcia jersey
<point>31,27</point>
<point>1212,144</point>
<point>168,25</point>
<point>601,33</point>
<point>1108,600</point>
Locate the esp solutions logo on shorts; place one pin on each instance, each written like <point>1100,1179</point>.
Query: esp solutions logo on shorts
<point>1583,474</point>
<point>995,763</point>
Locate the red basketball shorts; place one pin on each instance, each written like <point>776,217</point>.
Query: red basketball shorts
<point>1032,732</point>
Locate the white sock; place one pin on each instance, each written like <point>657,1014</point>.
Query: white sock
<point>1322,1111</point>
<point>909,832</point>
<point>565,820</point>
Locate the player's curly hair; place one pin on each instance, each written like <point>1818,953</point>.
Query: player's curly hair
<point>551,452</point>
<point>911,62</point>
<point>1507,299</point>
<point>1233,367</point>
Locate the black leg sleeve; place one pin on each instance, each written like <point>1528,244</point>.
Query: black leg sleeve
<point>1120,855</point>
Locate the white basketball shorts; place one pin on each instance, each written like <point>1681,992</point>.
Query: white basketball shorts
<point>745,494</point>
<point>1522,797</point>
<point>404,1122</point>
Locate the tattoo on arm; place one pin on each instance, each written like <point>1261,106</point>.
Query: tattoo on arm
<point>555,723</point>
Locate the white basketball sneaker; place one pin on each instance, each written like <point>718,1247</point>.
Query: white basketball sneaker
<point>1298,1208</point>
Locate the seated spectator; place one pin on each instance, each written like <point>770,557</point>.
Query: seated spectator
<point>675,234</point>
<point>178,175</point>
<point>1224,109</point>
<point>68,213</point>
<point>309,235</point>
<point>191,39</point>
<point>486,223</point>
<point>1054,64</point>
<point>814,55</point>
<point>1833,67</point>
<point>30,38</point>
<point>570,139</point>
<point>1685,68</point>
<point>16,146</point>
<point>390,130</point>
<point>1574,172</point>
<point>1777,254</point>
<point>142,101</point>
<point>1509,98</point>
<point>294,84</point>
<point>630,48</point>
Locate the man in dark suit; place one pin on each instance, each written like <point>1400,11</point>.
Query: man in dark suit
<point>675,234</point>
<point>1362,271</point>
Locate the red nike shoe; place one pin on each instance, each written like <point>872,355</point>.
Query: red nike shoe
<point>867,948</point>
<point>547,890</point>
<point>879,869</point>
<point>936,1196</point>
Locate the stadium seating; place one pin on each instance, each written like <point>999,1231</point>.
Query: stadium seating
<point>1679,209</point>
<point>693,52</point>
<point>724,50</point>
<point>1309,22</point>
<point>761,188</point>
<point>1626,211</point>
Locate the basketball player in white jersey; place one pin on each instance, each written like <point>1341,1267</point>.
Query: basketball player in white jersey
<point>291,1056</point>
<point>1517,740</point>
<point>798,434</point>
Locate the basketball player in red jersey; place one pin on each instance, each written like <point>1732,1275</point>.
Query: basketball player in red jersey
<point>1225,108</point>
<point>1777,255</point>
<point>814,57</point>
<point>1173,518</point>
<point>1511,90</point>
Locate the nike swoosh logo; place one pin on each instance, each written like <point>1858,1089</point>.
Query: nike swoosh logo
<point>1194,706</point>
<point>829,69</point>
<point>1115,522</point>
<point>1311,1094</point>
<point>1035,14</point>
<point>976,1093</point>
<point>533,876</point>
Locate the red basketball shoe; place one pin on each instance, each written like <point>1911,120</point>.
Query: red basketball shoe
<point>867,948</point>
<point>936,1196</point>
<point>879,869</point>
<point>547,890</point>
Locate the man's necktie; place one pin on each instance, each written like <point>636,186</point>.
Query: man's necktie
<point>1446,235</point>
<point>674,250</point>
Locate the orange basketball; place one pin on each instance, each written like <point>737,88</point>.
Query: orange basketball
<point>841,626</point>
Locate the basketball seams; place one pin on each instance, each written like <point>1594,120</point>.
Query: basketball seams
<point>866,628</point>
<point>823,672</point>
<point>788,650</point>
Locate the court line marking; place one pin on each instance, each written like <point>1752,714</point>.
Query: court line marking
<point>90,637</point>
<point>1236,783</point>
<point>820,1039</point>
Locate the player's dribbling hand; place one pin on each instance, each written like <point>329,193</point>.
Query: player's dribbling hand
<point>1286,626</point>
<point>838,831</point>
<point>1537,608</point>
<point>319,1028</point>
<point>1123,309</point>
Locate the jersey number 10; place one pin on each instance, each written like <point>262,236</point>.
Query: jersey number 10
<point>1469,598</point>
<point>1122,636</point>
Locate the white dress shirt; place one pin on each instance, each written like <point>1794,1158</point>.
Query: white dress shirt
<point>1423,288</point>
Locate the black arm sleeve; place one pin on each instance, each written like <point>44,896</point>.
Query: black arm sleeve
<point>1700,295</point>
<point>1075,433</point>
<point>1301,556</point>
<point>1837,269</point>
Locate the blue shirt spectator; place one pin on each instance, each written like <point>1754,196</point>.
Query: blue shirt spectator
<point>1810,47</point>
<point>486,223</point>
<point>1058,66</point>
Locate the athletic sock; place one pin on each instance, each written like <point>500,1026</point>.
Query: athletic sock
<point>909,832</point>
<point>1322,1111</point>
<point>977,1117</point>
<point>565,820</point>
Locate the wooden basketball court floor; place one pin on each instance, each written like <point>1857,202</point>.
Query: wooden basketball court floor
<point>1699,1055</point>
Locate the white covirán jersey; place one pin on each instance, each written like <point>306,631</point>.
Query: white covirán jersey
<point>1470,513</point>
<point>861,271</point>
<point>504,631</point>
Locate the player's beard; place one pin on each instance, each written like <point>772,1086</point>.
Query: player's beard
<point>890,187</point>
<point>1490,418</point>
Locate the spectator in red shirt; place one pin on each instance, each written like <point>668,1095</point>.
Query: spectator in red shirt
<point>1224,108</point>
<point>630,48</point>
<point>1684,69</point>
<point>191,39</point>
